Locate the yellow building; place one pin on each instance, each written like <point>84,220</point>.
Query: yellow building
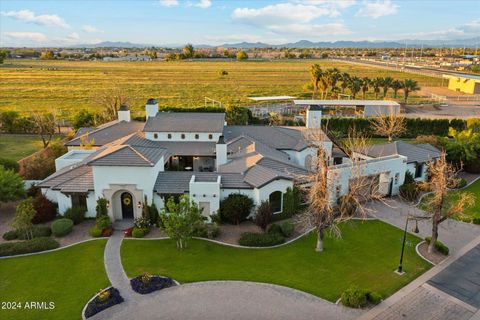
<point>463,83</point>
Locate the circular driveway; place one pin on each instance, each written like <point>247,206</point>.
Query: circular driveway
<point>228,300</point>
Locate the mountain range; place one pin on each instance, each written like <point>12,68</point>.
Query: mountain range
<point>303,44</point>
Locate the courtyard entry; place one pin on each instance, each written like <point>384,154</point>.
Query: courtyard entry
<point>127,205</point>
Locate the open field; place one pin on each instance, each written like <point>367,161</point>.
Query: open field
<point>365,256</point>
<point>18,146</point>
<point>74,85</point>
<point>68,278</point>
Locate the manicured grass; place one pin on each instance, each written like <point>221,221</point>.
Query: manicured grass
<point>68,277</point>
<point>73,85</point>
<point>471,212</point>
<point>18,146</point>
<point>366,256</point>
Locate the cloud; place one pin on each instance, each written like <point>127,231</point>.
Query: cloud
<point>341,4</point>
<point>51,20</point>
<point>467,30</point>
<point>29,36</point>
<point>282,12</point>
<point>90,29</point>
<point>377,9</point>
<point>243,37</point>
<point>73,36</point>
<point>311,30</point>
<point>169,3</point>
<point>204,4</point>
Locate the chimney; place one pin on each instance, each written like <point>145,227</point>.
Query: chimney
<point>221,152</point>
<point>124,113</point>
<point>313,117</point>
<point>151,108</point>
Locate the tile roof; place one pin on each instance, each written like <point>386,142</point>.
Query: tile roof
<point>69,180</point>
<point>107,133</point>
<point>414,152</point>
<point>125,155</point>
<point>179,181</point>
<point>185,122</point>
<point>258,176</point>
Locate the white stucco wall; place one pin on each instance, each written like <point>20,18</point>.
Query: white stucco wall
<point>65,201</point>
<point>264,192</point>
<point>411,167</point>
<point>71,157</point>
<point>206,192</point>
<point>189,136</point>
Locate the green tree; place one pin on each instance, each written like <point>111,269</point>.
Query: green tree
<point>242,55</point>
<point>346,81</point>
<point>8,120</point>
<point>396,85</point>
<point>315,74</point>
<point>237,115</point>
<point>188,51</point>
<point>45,125</point>
<point>83,118</point>
<point>11,185</point>
<point>408,86</point>
<point>3,55</point>
<point>386,84</point>
<point>179,220</point>
<point>462,146</point>
<point>376,84</point>
<point>24,214</point>
<point>47,55</point>
<point>365,84</point>
<point>355,85</point>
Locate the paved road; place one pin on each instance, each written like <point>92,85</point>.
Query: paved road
<point>228,300</point>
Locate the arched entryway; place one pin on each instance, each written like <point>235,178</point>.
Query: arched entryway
<point>127,205</point>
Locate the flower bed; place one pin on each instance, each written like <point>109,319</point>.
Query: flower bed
<point>146,283</point>
<point>103,300</point>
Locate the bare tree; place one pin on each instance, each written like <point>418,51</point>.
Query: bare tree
<point>45,125</point>
<point>443,174</point>
<point>111,99</point>
<point>390,126</point>
<point>323,185</point>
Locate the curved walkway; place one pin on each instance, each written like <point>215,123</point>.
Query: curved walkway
<point>212,300</point>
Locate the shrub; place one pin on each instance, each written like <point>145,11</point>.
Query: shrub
<point>439,246</point>
<point>145,283</point>
<point>472,166</point>
<point>101,207</point>
<point>9,164</point>
<point>235,208</point>
<point>250,239</point>
<point>275,228</point>
<point>216,217</point>
<point>29,246</point>
<point>46,210</point>
<point>287,228</point>
<point>263,215</point>
<point>374,297</point>
<point>153,213</point>
<point>37,232</point>
<point>291,202</point>
<point>62,227</point>
<point>39,167</point>
<point>10,235</point>
<point>138,232</point>
<point>103,222</point>
<point>95,232</point>
<point>457,183</point>
<point>354,298</point>
<point>99,304</point>
<point>76,214</point>
<point>409,192</point>
<point>476,220</point>
<point>107,232</point>
<point>206,230</point>
<point>142,223</point>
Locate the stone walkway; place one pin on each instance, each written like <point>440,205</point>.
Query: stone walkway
<point>222,300</point>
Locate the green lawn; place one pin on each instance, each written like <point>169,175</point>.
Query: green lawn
<point>18,146</point>
<point>68,277</point>
<point>472,212</point>
<point>366,256</point>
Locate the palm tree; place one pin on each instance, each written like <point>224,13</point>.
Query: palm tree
<point>377,83</point>
<point>323,84</point>
<point>386,84</point>
<point>345,78</point>
<point>316,73</point>
<point>365,83</point>
<point>396,85</point>
<point>355,85</point>
<point>409,85</point>
<point>335,75</point>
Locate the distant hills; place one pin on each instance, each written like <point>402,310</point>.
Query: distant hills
<point>303,44</point>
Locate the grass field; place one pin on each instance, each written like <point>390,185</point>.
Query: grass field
<point>68,277</point>
<point>18,146</point>
<point>73,85</point>
<point>365,256</point>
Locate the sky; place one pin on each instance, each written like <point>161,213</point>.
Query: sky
<point>175,22</point>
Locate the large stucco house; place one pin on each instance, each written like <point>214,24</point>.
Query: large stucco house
<point>198,154</point>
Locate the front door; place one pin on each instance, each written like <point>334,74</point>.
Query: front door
<point>127,205</point>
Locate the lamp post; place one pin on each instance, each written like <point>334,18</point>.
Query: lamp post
<point>416,230</point>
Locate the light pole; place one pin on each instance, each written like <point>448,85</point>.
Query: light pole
<point>415,230</point>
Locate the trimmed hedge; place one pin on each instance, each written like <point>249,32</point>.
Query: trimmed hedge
<point>287,228</point>
<point>97,304</point>
<point>355,297</point>
<point>251,239</point>
<point>62,227</point>
<point>145,283</point>
<point>138,232</point>
<point>235,208</point>
<point>10,235</point>
<point>29,246</point>
<point>443,249</point>
<point>37,231</point>
<point>95,232</point>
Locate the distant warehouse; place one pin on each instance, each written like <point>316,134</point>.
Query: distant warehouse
<point>463,83</point>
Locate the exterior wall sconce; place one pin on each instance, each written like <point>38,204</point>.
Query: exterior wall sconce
<point>194,195</point>
<point>214,195</point>
<point>108,204</point>
<point>139,205</point>
<point>204,195</point>
<point>196,158</point>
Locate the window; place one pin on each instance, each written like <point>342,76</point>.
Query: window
<point>210,136</point>
<point>155,136</point>
<point>79,200</point>
<point>397,176</point>
<point>169,136</point>
<point>418,170</point>
<point>196,136</point>
<point>275,200</point>
<point>183,135</point>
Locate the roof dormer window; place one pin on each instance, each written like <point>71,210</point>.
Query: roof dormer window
<point>196,136</point>
<point>183,135</point>
<point>169,136</point>
<point>210,136</point>
<point>155,136</point>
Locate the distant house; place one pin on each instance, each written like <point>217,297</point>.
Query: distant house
<point>463,83</point>
<point>128,58</point>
